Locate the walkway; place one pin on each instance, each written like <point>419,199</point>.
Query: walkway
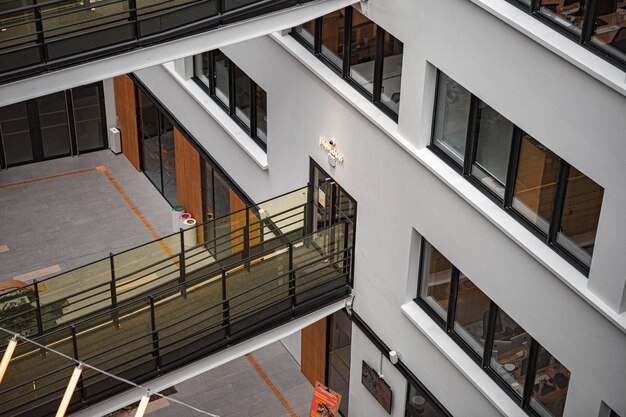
<point>60,223</point>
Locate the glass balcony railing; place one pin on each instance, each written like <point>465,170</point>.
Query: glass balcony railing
<point>149,310</point>
<point>39,36</point>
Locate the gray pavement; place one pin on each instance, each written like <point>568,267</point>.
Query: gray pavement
<point>76,219</point>
<point>236,389</point>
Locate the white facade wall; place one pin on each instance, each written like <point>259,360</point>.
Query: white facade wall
<point>404,191</point>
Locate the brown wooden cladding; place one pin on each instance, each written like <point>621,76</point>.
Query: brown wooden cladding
<point>188,178</point>
<point>126,110</point>
<point>314,352</point>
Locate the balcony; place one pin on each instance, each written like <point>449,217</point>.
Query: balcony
<point>154,308</point>
<point>41,36</point>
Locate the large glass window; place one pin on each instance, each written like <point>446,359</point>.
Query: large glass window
<point>374,57</point>
<point>392,72</point>
<point>88,117</point>
<point>333,26</point>
<point>54,124</point>
<point>511,347</point>
<point>472,314</point>
<point>568,14</point>
<point>248,106</point>
<point>168,161</point>
<point>535,182</point>
<point>581,213</point>
<point>338,364</point>
<point>221,75</point>
<point>551,383</point>
<point>437,279</point>
<point>500,346</point>
<point>418,404</point>
<point>451,118</point>
<point>493,148</point>
<point>363,51</point>
<point>467,128</point>
<point>15,134</point>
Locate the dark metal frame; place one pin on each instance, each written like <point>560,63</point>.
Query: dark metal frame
<point>35,134</point>
<point>483,360</point>
<point>132,29</point>
<point>139,86</point>
<point>344,71</point>
<point>231,108</point>
<point>513,160</point>
<point>586,33</point>
<point>400,366</point>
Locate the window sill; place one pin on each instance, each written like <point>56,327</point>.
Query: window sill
<point>229,125</point>
<point>557,43</point>
<point>461,360</point>
<point>558,266</point>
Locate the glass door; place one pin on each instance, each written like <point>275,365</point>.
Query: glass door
<point>54,124</point>
<point>15,134</point>
<point>88,103</point>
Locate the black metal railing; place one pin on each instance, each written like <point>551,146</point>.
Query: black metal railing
<point>151,335</point>
<point>174,259</point>
<point>45,35</point>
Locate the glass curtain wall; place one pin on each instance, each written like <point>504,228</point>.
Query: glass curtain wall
<point>361,52</point>
<point>418,404</point>
<point>518,172</point>
<point>496,342</point>
<point>60,124</point>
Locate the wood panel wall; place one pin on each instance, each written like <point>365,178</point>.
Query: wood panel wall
<point>188,176</point>
<point>125,106</point>
<point>313,357</point>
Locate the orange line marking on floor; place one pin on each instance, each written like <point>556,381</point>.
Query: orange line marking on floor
<point>281,398</point>
<point>50,177</point>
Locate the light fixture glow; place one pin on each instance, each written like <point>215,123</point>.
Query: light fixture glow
<point>143,404</point>
<point>69,391</point>
<point>6,358</point>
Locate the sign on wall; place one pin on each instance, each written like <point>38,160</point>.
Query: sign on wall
<point>325,402</point>
<point>376,386</point>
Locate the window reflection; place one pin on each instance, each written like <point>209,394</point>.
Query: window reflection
<point>493,148</point>
<point>54,123</point>
<point>363,51</point>
<point>201,68</point>
<point>221,73</point>
<point>509,357</point>
<point>339,346</point>
<point>332,37</point>
<point>392,72</point>
<point>261,114</point>
<point>581,213</point>
<point>610,26</point>
<point>242,96</point>
<point>16,138</point>
<point>452,116</point>
<point>418,405</point>
<point>472,314</point>
<point>535,183</point>
<point>436,276</point>
<point>150,147</point>
<point>307,32</point>
<point>551,383</point>
<point>567,13</point>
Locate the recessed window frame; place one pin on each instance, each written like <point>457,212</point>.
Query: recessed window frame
<point>344,71</point>
<point>249,128</point>
<point>484,360</point>
<point>506,203</point>
<point>586,32</point>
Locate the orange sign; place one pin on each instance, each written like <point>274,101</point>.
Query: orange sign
<point>325,402</point>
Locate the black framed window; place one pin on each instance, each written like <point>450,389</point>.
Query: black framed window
<point>598,25</point>
<point>243,99</point>
<point>418,404</point>
<point>551,198</point>
<point>361,52</point>
<point>338,356</point>
<point>59,124</point>
<point>523,368</point>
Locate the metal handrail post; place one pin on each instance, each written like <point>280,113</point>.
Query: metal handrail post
<point>156,353</point>
<point>181,264</point>
<point>38,308</point>
<point>113,288</point>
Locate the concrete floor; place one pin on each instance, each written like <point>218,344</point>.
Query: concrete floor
<point>236,389</point>
<point>62,223</point>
